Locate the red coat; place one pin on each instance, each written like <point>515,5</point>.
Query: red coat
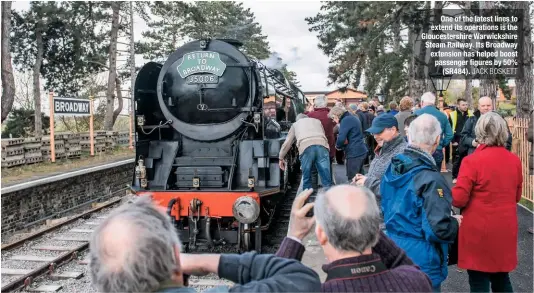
<point>328,126</point>
<point>488,188</point>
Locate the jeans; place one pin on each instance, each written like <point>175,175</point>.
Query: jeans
<point>355,166</point>
<point>315,178</point>
<point>438,157</point>
<point>480,282</point>
<point>437,288</point>
<point>317,156</point>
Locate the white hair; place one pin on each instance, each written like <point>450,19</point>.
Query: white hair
<point>424,131</point>
<point>428,98</point>
<point>320,101</point>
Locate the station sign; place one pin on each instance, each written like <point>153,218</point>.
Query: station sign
<point>69,106</point>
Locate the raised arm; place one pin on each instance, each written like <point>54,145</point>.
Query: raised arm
<point>267,273</point>
<point>287,143</point>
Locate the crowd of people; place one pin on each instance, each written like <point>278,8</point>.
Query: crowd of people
<point>389,229</point>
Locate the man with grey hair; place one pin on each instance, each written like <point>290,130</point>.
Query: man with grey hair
<point>428,106</point>
<point>136,249</point>
<point>361,258</point>
<point>417,201</point>
<point>313,149</point>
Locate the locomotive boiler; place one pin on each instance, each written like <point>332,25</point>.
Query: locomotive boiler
<point>209,124</point>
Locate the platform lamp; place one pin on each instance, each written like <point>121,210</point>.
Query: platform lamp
<point>440,81</point>
<point>381,97</point>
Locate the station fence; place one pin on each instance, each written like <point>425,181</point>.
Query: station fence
<point>32,150</point>
<point>522,147</point>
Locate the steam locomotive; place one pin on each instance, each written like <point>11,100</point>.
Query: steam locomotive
<point>209,124</point>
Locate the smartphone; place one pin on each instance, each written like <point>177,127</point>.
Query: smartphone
<point>311,198</point>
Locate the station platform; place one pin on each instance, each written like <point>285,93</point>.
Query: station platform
<point>457,281</point>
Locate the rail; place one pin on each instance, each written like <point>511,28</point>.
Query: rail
<point>26,279</point>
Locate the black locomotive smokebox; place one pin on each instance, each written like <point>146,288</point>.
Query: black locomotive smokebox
<point>203,90</point>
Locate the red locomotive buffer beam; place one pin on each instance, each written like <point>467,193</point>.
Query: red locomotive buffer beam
<point>218,204</point>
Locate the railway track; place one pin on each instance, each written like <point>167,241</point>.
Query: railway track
<point>55,258</point>
<point>42,255</point>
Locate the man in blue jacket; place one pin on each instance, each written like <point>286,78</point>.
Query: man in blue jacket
<point>350,139</point>
<point>428,106</point>
<point>417,202</point>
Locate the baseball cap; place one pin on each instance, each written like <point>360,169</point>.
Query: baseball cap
<point>381,122</point>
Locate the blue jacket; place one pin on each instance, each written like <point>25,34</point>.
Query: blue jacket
<point>350,128</point>
<point>446,129</point>
<point>416,202</point>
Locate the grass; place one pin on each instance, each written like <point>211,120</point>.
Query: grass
<point>25,172</point>
<point>526,203</point>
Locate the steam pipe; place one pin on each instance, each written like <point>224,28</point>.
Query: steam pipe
<point>208,232</point>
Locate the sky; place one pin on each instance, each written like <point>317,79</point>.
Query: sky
<point>287,33</point>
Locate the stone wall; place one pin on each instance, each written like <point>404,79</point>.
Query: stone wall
<point>25,206</point>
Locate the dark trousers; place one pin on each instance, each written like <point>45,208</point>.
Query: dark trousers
<point>315,155</point>
<point>447,154</point>
<point>480,282</point>
<point>457,161</point>
<point>340,157</point>
<point>438,157</point>
<point>355,166</point>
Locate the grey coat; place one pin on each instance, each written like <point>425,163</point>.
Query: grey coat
<point>381,162</point>
<point>401,117</point>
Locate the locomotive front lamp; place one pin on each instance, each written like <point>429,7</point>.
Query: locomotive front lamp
<point>196,180</point>
<point>440,81</point>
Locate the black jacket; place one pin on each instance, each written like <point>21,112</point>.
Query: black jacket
<point>468,135</point>
<point>252,272</point>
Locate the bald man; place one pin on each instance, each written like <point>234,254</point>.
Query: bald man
<point>361,258</point>
<point>468,142</point>
<point>137,249</point>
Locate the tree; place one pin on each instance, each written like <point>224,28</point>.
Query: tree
<point>166,29</point>
<point>226,20</point>
<point>365,37</point>
<point>59,45</point>
<point>24,90</point>
<point>112,76</point>
<point>21,123</point>
<point>525,80</point>
<point>290,75</point>
<point>8,82</point>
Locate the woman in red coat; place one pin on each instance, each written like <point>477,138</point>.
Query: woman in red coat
<point>487,191</point>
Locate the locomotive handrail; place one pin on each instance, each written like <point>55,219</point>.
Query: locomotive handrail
<point>279,85</point>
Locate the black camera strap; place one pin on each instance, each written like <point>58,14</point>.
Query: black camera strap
<point>354,271</point>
